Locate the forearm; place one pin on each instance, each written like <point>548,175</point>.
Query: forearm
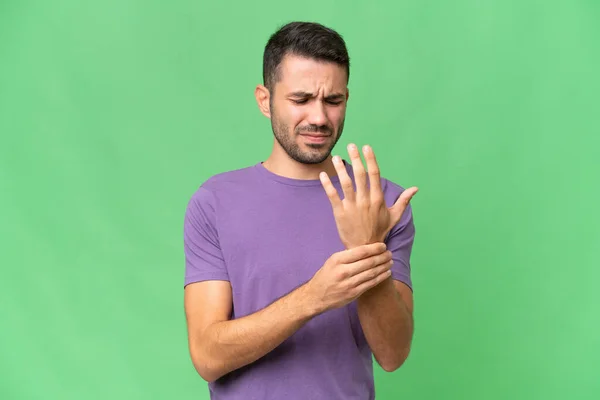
<point>387,324</point>
<point>229,345</point>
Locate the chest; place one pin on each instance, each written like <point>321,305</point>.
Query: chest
<point>275,244</point>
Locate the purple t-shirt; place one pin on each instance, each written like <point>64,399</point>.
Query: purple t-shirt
<point>267,235</point>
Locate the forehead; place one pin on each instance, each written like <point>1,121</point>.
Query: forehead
<point>297,71</point>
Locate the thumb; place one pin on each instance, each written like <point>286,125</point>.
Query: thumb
<point>400,205</point>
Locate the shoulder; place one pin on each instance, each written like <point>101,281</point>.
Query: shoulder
<point>224,180</point>
<point>221,184</point>
<point>391,193</point>
<point>391,190</point>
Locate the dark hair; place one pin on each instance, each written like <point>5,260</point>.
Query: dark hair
<point>305,39</point>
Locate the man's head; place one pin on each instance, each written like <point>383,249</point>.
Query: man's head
<point>305,70</point>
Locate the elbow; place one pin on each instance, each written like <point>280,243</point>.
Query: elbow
<point>391,367</point>
<point>393,363</point>
<point>205,367</point>
<point>207,374</point>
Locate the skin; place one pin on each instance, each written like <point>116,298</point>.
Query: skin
<point>321,110</point>
<point>386,310</point>
<point>310,99</point>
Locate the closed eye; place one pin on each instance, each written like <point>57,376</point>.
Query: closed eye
<point>304,101</point>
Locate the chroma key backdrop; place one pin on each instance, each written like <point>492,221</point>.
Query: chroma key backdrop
<point>112,113</point>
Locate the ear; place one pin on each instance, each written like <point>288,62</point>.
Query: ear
<point>262,99</point>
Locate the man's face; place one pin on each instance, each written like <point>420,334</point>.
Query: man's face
<point>308,108</point>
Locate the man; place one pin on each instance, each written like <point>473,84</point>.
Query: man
<point>297,272</point>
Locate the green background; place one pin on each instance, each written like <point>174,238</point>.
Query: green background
<point>112,113</point>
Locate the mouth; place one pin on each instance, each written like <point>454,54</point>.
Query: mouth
<point>315,138</point>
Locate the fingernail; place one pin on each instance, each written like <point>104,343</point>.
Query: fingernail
<point>366,149</point>
<point>336,159</point>
<point>351,147</point>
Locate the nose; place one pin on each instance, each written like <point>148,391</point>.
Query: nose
<point>317,115</point>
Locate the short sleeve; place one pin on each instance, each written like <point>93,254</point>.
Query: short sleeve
<point>203,257</point>
<point>400,242</point>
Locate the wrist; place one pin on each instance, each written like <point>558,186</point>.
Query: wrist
<point>351,245</point>
<point>310,304</point>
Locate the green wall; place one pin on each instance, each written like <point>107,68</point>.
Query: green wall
<point>112,113</point>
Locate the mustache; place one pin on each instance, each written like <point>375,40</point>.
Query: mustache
<point>314,129</point>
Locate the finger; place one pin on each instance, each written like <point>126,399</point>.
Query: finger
<point>360,175</point>
<point>400,205</point>
<point>361,252</point>
<point>331,191</point>
<point>366,264</point>
<point>370,274</point>
<point>374,173</point>
<point>363,287</point>
<point>345,181</point>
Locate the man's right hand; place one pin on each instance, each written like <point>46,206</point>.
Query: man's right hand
<point>219,345</point>
<point>348,274</point>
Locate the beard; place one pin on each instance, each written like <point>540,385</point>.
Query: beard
<point>316,153</point>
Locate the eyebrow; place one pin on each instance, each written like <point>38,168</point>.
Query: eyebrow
<point>334,96</point>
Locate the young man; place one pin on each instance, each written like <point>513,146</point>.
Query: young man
<point>297,272</point>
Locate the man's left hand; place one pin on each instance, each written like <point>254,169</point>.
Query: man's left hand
<point>363,217</point>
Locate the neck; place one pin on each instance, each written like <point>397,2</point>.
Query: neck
<point>280,163</point>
